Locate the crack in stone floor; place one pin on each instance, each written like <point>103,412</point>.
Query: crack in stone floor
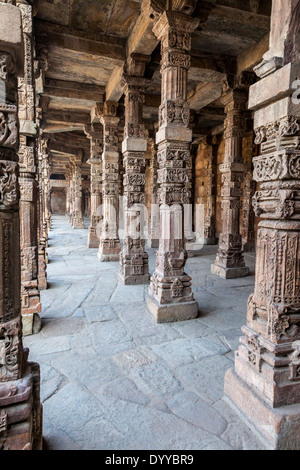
<point>113,379</point>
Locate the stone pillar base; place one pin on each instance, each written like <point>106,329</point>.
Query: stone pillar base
<point>154,243</point>
<point>210,241</point>
<point>172,312</point>
<point>109,253</point>
<point>278,428</point>
<point>78,226</point>
<point>93,240</point>
<point>42,283</point>
<point>31,324</point>
<point>229,273</point>
<point>108,257</point>
<point>19,401</point>
<point>249,248</point>
<point>134,280</point>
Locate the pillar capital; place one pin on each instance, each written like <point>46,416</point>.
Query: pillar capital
<point>173,28</point>
<point>94,133</point>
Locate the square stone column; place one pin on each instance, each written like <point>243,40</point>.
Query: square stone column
<point>95,135</point>
<point>170,294</point>
<point>31,306</point>
<point>154,214</point>
<point>248,216</point>
<point>46,192</point>
<point>77,217</point>
<point>265,383</point>
<point>134,267</point>
<point>230,262</point>
<point>20,407</point>
<point>42,242</point>
<point>110,247</point>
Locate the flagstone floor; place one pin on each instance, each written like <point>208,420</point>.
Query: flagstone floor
<point>111,378</point>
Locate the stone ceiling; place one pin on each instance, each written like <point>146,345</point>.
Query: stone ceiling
<point>88,42</point>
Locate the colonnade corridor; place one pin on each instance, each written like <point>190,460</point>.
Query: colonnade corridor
<point>112,378</point>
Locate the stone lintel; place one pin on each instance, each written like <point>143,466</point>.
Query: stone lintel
<point>172,312</point>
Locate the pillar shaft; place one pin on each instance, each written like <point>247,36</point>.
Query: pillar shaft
<point>95,136</point>
<point>134,268</point>
<point>230,261</point>
<point>170,294</point>
<point>248,216</point>
<point>154,214</point>
<point>211,186</point>
<point>109,248</point>
<point>77,217</point>
<point>19,380</point>
<point>42,242</point>
<point>30,296</point>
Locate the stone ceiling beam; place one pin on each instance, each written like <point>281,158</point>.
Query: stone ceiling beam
<point>80,91</point>
<point>205,93</point>
<point>113,89</point>
<point>68,149</point>
<point>58,128</point>
<point>142,39</point>
<point>68,117</point>
<point>260,19</point>
<point>80,41</point>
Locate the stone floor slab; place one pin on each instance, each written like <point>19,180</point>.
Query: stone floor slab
<point>112,378</point>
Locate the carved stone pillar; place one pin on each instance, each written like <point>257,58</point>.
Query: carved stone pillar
<point>72,193</point>
<point>46,193</point>
<point>230,261</point>
<point>109,248</point>
<point>170,294</point>
<point>42,242</point>
<point>20,408</point>
<point>77,217</point>
<point>211,187</point>
<point>154,214</point>
<point>134,267</point>
<point>95,135</point>
<point>265,384</point>
<point>30,296</point>
<point>248,216</point>
<point>68,194</point>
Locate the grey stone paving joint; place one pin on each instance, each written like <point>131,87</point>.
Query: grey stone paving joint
<point>114,379</point>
